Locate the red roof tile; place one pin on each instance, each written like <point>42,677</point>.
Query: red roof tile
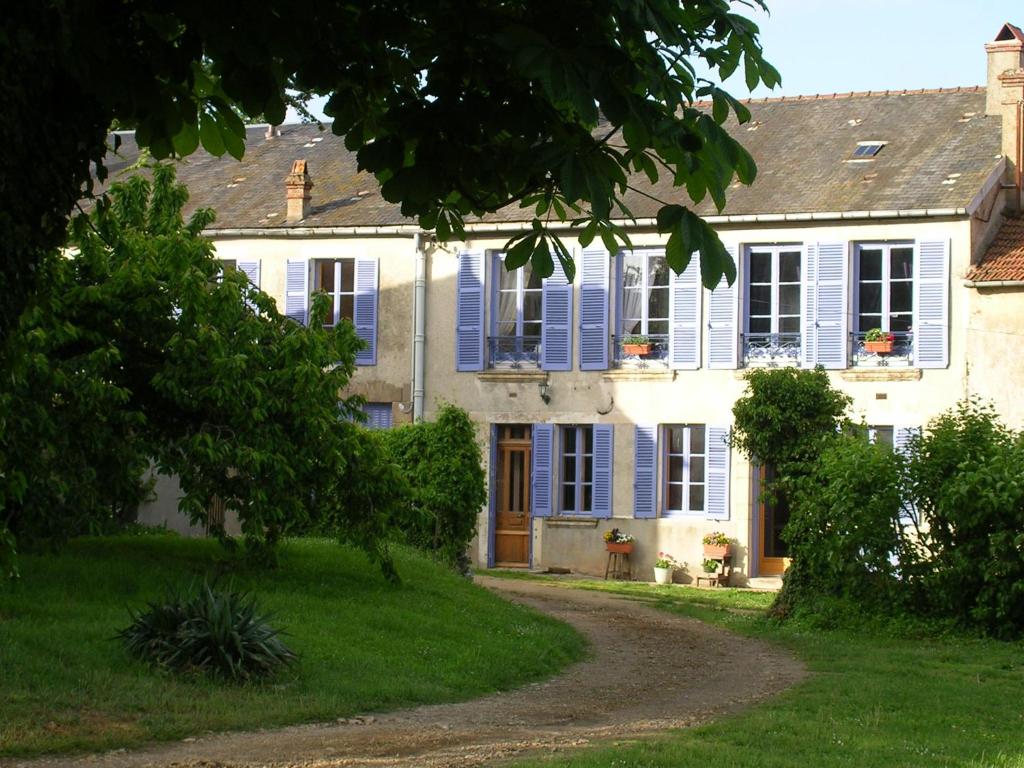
<point>1004,259</point>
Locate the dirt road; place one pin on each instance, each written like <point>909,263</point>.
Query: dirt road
<point>648,671</point>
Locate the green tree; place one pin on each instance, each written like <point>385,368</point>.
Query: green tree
<point>139,348</point>
<point>458,108</point>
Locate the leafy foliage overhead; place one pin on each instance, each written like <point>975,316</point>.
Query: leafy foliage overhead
<point>459,107</point>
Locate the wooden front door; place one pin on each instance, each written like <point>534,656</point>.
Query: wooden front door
<point>774,553</point>
<point>512,505</point>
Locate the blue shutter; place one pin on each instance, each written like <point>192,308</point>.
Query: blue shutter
<point>931,304</point>
<point>684,318</point>
<point>645,477</point>
<point>604,463</point>
<point>556,328</point>
<point>296,290</point>
<point>365,310</point>
<point>900,443</point>
<point>717,476</point>
<point>594,310</point>
<point>831,338</point>
<point>469,313</point>
<point>492,493</point>
<point>540,474</point>
<point>809,310</point>
<point>251,269</point>
<point>722,335</point>
<point>378,415</point>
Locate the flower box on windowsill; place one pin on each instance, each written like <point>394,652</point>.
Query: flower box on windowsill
<point>883,347</point>
<point>623,548</point>
<point>637,349</point>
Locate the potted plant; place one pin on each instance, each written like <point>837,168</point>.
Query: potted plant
<point>710,566</point>
<point>878,341</point>
<point>663,568</point>
<point>716,546</point>
<point>617,541</point>
<point>637,344</point>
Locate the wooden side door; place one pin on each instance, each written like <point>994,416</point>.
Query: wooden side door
<point>512,507</point>
<point>774,554</point>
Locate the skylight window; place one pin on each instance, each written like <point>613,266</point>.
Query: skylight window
<point>866,150</point>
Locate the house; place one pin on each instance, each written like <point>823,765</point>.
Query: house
<point>607,402</point>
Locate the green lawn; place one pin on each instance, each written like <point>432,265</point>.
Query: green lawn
<point>874,700</point>
<point>365,645</point>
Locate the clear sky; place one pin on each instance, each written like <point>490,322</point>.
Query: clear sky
<point>829,46</point>
<point>825,46</point>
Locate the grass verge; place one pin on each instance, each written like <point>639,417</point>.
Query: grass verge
<point>874,699</point>
<point>364,644</point>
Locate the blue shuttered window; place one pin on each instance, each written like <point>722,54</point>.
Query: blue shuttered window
<point>723,341</point>
<point>931,304</point>
<point>901,437</point>
<point>645,479</point>
<point>365,312</point>
<point>296,298</point>
<point>831,340</point>
<point>378,415</point>
<point>684,317</point>
<point>540,471</point>
<point>717,473</point>
<point>556,314</point>
<point>604,459</point>
<point>469,312</point>
<point>251,269</point>
<point>594,310</point>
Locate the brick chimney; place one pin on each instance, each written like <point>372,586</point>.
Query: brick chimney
<point>1004,98</point>
<point>298,183</point>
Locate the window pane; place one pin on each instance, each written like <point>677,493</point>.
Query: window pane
<point>675,469</point>
<point>531,329</point>
<point>789,325</point>
<point>348,275</point>
<point>900,323</point>
<point>507,328</point>
<point>530,280</point>
<point>532,306</point>
<point>789,299</point>
<point>657,306</point>
<point>901,297</point>
<point>760,325</point>
<point>569,469</point>
<point>883,435</point>
<point>760,267</point>
<point>347,308</point>
<point>871,264</point>
<point>675,497</point>
<point>658,327</point>
<point>696,498</point>
<point>760,300</point>
<point>696,439</point>
<point>632,304</point>
<point>568,497</point>
<point>867,322</point>
<point>870,300</point>
<point>507,309</point>
<point>901,262</point>
<point>675,439</point>
<point>697,469</point>
<point>659,272</point>
<point>789,267</point>
<point>588,440</point>
<point>588,498</point>
<point>325,271</point>
<point>631,327</point>
<point>569,440</point>
<point>588,469</point>
<point>632,269</point>
<point>507,281</point>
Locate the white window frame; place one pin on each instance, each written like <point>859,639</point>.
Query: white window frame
<point>337,294</point>
<point>886,281</point>
<point>498,267</point>
<point>774,316</point>
<point>645,292</point>
<point>687,483</point>
<point>584,449</point>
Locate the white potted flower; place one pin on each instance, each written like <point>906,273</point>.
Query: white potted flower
<point>663,568</point>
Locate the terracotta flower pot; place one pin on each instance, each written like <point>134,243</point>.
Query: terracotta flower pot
<point>878,347</point>
<point>716,552</point>
<point>637,349</point>
<point>624,548</point>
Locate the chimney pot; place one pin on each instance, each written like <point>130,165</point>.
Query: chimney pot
<point>297,186</point>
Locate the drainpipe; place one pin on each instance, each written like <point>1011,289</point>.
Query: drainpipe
<point>419,326</point>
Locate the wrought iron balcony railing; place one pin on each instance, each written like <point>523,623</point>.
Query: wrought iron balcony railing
<point>653,354</point>
<point>897,352</point>
<point>771,349</point>
<point>513,352</point>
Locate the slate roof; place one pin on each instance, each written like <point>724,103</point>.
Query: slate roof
<point>1004,259</point>
<point>940,148</point>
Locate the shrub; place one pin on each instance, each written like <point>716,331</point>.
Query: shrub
<point>219,633</point>
<point>441,461</point>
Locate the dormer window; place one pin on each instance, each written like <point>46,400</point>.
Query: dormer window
<point>866,150</point>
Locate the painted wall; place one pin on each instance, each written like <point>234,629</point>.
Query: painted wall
<point>995,349</point>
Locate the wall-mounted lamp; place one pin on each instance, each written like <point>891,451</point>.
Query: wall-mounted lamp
<point>545,391</point>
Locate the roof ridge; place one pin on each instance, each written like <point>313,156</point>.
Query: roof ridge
<point>855,95</point>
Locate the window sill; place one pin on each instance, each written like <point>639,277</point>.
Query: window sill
<point>512,376</point>
<point>639,374</point>
<point>880,373</point>
<point>571,522</point>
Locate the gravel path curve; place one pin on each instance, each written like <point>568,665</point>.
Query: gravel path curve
<point>648,671</point>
